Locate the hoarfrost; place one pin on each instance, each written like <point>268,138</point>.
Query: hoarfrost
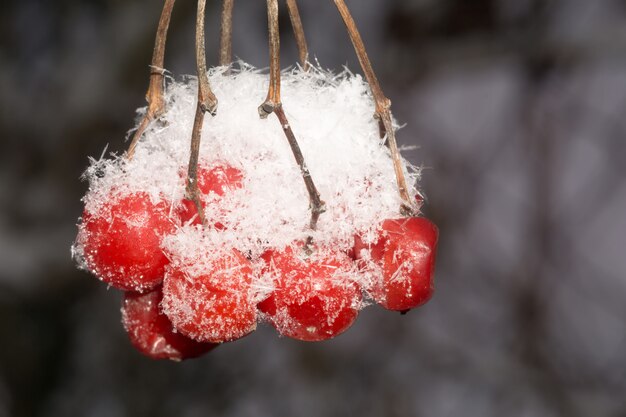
<point>332,118</point>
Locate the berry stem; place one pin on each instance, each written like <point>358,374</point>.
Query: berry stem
<point>155,95</point>
<point>207,102</point>
<point>272,104</point>
<point>298,29</point>
<point>383,107</point>
<point>317,205</point>
<point>206,98</point>
<point>273,93</point>
<point>226,34</point>
<point>192,192</point>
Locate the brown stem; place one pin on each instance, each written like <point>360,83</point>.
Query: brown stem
<point>155,95</point>
<point>272,104</point>
<point>273,93</point>
<point>206,98</point>
<point>317,205</point>
<point>206,102</point>
<point>192,191</point>
<point>383,108</point>
<point>226,33</point>
<point>298,29</point>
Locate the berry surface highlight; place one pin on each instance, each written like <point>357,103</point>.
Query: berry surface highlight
<point>150,331</point>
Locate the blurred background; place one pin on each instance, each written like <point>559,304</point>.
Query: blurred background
<point>515,109</point>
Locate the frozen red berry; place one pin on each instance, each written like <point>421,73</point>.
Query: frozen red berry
<point>121,241</point>
<point>151,332</point>
<point>212,302</point>
<point>314,297</point>
<point>214,181</point>
<point>404,255</point>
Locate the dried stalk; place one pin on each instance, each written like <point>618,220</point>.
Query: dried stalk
<point>298,29</point>
<point>273,94</point>
<point>316,204</point>
<point>155,95</point>
<point>272,104</point>
<point>192,192</point>
<point>383,107</point>
<point>226,33</point>
<point>206,99</point>
<point>206,102</point>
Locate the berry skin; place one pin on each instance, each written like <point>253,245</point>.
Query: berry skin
<point>215,304</point>
<point>217,180</point>
<point>405,254</point>
<point>150,331</point>
<point>121,242</point>
<point>314,299</point>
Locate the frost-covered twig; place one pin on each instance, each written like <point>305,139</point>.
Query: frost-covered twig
<point>383,107</point>
<point>272,104</point>
<point>226,33</point>
<point>155,94</point>
<point>298,29</point>
<point>206,102</point>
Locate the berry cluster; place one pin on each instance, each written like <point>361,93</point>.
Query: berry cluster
<point>205,251</point>
<point>176,307</point>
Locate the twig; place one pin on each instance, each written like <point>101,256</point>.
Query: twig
<point>273,93</point>
<point>155,94</point>
<point>272,104</point>
<point>383,108</point>
<point>226,33</point>
<point>192,192</point>
<point>317,205</point>
<point>206,102</point>
<point>298,29</point>
<point>206,98</point>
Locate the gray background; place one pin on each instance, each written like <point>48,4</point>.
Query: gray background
<point>517,109</point>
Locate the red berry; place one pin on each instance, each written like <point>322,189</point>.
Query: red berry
<point>152,333</point>
<point>212,303</point>
<point>314,298</point>
<point>405,252</point>
<point>121,241</point>
<point>216,180</point>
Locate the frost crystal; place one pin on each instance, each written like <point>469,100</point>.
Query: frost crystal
<point>332,118</point>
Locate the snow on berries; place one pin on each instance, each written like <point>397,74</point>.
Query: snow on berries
<point>402,260</point>
<point>210,298</point>
<point>213,183</point>
<point>191,284</point>
<point>121,240</point>
<point>315,295</point>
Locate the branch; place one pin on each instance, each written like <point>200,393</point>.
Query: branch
<point>273,94</point>
<point>272,104</point>
<point>206,98</point>
<point>226,33</point>
<point>206,102</point>
<point>155,94</point>
<point>298,29</point>
<point>383,108</point>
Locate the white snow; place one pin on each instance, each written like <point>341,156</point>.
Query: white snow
<point>332,118</point>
